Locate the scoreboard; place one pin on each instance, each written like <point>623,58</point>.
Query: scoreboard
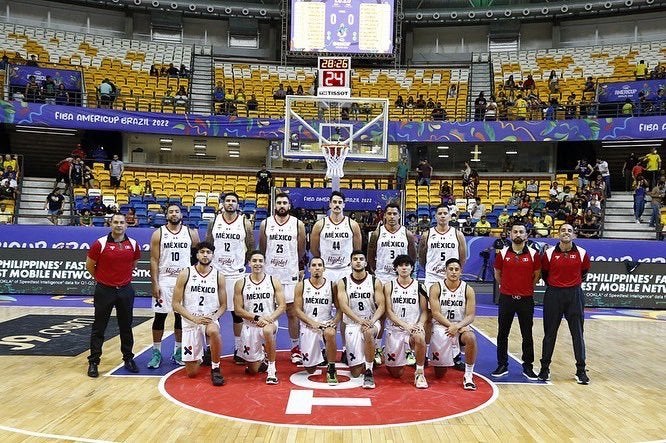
<point>334,77</point>
<point>342,26</point>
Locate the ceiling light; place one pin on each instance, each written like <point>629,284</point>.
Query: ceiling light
<point>511,152</point>
<point>166,140</point>
<point>200,153</point>
<point>442,147</point>
<point>236,144</point>
<point>165,148</point>
<point>475,160</point>
<point>199,146</point>
<point>234,155</point>
<point>475,152</point>
<point>234,151</point>
<point>443,155</point>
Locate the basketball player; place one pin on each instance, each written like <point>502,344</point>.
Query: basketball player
<point>388,241</point>
<point>406,309</point>
<point>170,252</point>
<point>282,240</point>
<point>333,238</point>
<point>453,308</point>
<point>314,300</point>
<point>259,301</point>
<point>200,298</point>
<point>361,300</point>
<point>233,237</point>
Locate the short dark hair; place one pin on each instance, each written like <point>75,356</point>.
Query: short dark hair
<point>452,260</point>
<point>442,205</point>
<point>173,204</point>
<point>392,205</point>
<point>339,194</point>
<point>233,194</point>
<point>317,258</point>
<point>357,252</point>
<point>255,251</point>
<point>403,259</point>
<point>282,195</point>
<point>519,223</point>
<point>204,245</point>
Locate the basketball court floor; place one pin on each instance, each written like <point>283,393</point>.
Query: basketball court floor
<point>48,397</point>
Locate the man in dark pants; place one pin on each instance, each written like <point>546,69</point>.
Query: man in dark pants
<point>110,261</point>
<point>564,268</point>
<point>517,269</point>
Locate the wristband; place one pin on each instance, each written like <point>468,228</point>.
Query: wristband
<point>256,318</point>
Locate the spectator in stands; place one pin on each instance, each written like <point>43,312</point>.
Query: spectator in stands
<point>105,93</point>
<point>240,96</point>
<point>537,204</point>
<point>445,193</point>
<point>424,224</point>
<point>594,204</point>
<point>627,168</point>
<point>482,227</point>
<point>540,227</point>
<point>430,104</point>
<point>61,95</point>
<point>532,187</point>
<point>590,227</point>
<point>86,218</point>
<point>10,177</point>
<point>76,172</point>
<point>290,90</point>
<point>32,62</point>
<point>657,195</point>
<point>131,218</point>
<point>628,108</point>
<point>502,106</point>
<point>53,204</point>
<point>218,93</point>
<point>476,209</point>
<point>399,102</point>
<point>83,204</point>
<point>551,110</point>
<point>299,90</point>
<point>519,186</point>
<point>6,216</point>
<point>589,85</point>
<point>181,97</point>
<point>401,172</point>
<point>453,91</point>
<point>49,90</point>
<point>510,85</point>
<point>584,171</point>
<point>62,174</point>
<point>172,71</point>
<point>553,83</point>
<point>554,189</point>
<point>4,62</point>
<point>553,205</point>
<point>280,93</point>
<point>491,109</point>
<point>97,207</point>
<point>116,170</point>
<point>642,188</point>
<point>467,227</point>
<point>652,166</point>
<point>10,161</point>
<point>183,71</point>
<point>637,171</point>
<point>641,70</point>
<point>148,189</point>
<point>424,170</point>
<point>438,113</point>
<point>18,59</point>
<point>420,103</point>
<point>520,108</point>
<point>658,73</point>
<point>153,71</point>
<point>252,103</point>
<point>480,107</point>
<point>570,107</point>
<point>6,191</point>
<point>412,224</point>
<point>503,218</point>
<point>32,90</point>
<point>410,102</point>
<point>529,84</point>
<point>604,171</point>
<point>454,223</point>
<point>264,180</point>
<point>136,189</point>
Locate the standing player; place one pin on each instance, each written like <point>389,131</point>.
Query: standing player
<point>259,301</point>
<point>170,252</point>
<point>232,235</point>
<point>199,297</point>
<point>387,242</point>
<point>282,240</point>
<point>314,300</point>
<point>453,308</point>
<point>361,300</point>
<point>333,238</point>
<point>406,308</point>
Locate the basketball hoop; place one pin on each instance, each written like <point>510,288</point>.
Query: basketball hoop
<point>335,155</point>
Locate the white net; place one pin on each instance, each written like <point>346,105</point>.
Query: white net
<point>335,155</point>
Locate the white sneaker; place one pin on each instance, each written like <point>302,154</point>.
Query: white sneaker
<point>420,381</point>
<point>271,379</point>
<point>638,221</point>
<point>468,383</point>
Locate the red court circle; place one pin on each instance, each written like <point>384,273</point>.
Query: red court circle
<point>393,401</point>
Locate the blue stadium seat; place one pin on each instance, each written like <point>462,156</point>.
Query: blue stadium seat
<point>99,221</point>
<point>203,224</point>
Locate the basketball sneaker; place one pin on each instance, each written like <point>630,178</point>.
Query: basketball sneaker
<point>468,383</point>
<point>296,356</point>
<point>501,371</point>
<point>155,359</point>
<point>582,378</point>
<point>544,374</point>
<point>529,373</point>
<point>411,358</point>
<point>177,357</point>
<point>368,380</point>
<point>331,377</point>
<point>271,379</point>
<point>238,359</point>
<point>420,381</point>
<point>216,377</point>
<point>458,364</point>
<point>379,356</point>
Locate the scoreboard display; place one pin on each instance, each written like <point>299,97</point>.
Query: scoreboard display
<point>334,74</point>
<point>342,26</point>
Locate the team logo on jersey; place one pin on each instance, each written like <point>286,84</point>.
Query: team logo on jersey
<point>306,400</point>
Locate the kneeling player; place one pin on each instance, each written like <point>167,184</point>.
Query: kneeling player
<point>259,301</point>
<point>407,310</point>
<point>314,299</point>
<point>200,298</point>
<point>453,309</point>
<point>361,301</point>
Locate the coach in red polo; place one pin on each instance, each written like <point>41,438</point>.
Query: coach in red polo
<point>517,269</point>
<point>564,267</point>
<point>110,261</point>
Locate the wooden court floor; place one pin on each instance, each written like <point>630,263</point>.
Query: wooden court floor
<point>51,398</point>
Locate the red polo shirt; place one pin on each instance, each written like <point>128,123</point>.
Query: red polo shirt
<point>517,270</point>
<point>565,269</point>
<point>115,260</point>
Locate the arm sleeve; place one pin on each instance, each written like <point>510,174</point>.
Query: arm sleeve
<point>137,252</point>
<point>95,250</point>
<point>498,261</point>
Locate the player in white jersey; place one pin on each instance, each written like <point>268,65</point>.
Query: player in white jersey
<point>333,238</point>
<point>233,237</point>
<point>388,241</point>
<point>170,252</point>
<point>407,312</point>
<point>317,308</point>
<point>361,300</point>
<point>259,301</point>
<point>200,298</point>
<point>453,307</point>
<point>282,240</point>
<point>438,245</point>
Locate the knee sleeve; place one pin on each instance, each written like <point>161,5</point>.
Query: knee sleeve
<point>177,321</point>
<point>158,321</point>
<point>236,318</point>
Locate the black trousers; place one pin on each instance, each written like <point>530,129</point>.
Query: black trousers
<point>105,299</point>
<point>570,303</point>
<point>524,308</point>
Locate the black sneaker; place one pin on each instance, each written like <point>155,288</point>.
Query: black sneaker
<point>206,357</point>
<point>529,373</point>
<point>130,366</point>
<point>216,377</point>
<point>501,371</point>
<point>458,364</point>
<point>263,367</point>
<point>368,380</point>
<point>93,371</point>
<point>544,374</point>
<point>582,378</point>
<point>238,359</point>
